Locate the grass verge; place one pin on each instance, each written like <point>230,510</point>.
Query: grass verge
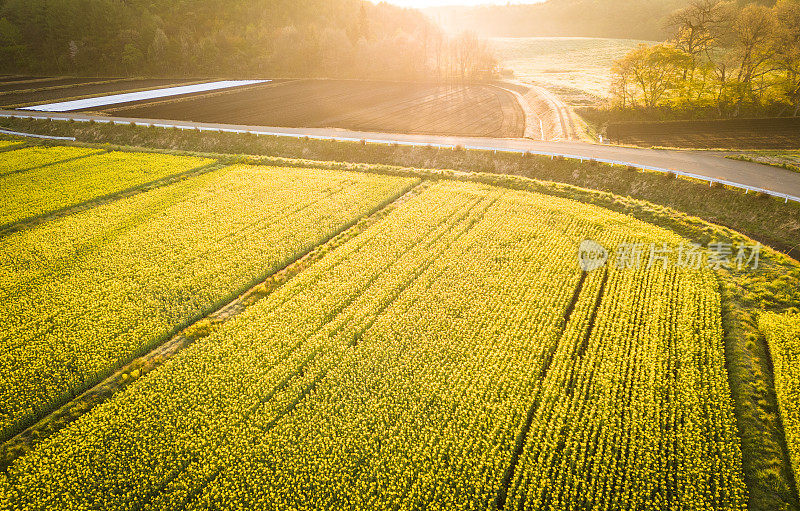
<point>789,160</point>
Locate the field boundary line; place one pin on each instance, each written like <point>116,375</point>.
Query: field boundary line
<point>501,499</point>
<point>31,222</point>
<point>152,357</point>
<point>60,87</point>
<point>772,398</point>
<point>271,131</point>
<point>20,144</point>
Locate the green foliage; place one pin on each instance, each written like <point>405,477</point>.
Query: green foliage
<point>723,61</point>
<point>648,73</point>
<point>242,38</point>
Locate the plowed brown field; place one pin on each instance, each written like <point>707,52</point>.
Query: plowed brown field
<point>472,110</point>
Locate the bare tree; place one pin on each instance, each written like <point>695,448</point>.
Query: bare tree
<point>695,26</point>
<point>755,49</point>
<point>787,36</point>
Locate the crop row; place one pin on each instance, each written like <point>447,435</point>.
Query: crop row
<point>635,410</point>
<point>401,372</point>
<point>783,337</point>
<point>53,187</point>
<point>83,293</point>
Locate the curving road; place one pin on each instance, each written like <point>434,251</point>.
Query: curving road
<point>700,164</point>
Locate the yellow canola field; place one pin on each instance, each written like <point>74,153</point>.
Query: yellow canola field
<point>449,357</point>
<point>83,293</point>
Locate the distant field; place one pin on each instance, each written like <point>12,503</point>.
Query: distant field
<point>477,110</point>
<point>575,67</point>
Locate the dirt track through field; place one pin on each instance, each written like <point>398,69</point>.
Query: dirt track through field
<point>548,118</point>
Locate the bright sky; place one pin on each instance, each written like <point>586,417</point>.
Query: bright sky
<point>438,3</point>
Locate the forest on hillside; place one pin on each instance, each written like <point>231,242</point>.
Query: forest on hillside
<point>624,19</point>
<point>242,38</point>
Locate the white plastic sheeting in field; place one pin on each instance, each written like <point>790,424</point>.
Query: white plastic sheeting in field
<point>81,104</point>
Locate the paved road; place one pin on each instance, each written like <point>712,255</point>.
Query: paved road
<point>702,164</point>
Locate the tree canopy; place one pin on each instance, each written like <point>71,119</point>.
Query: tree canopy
<point>722,59</point>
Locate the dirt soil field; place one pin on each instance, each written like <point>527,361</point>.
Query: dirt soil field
<point>41,83</point>
<point>23,97</point>
<point>765,133</point>
<point>476,110</point>
<point>17,78</point>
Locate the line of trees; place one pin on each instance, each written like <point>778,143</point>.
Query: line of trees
<point>298,38</point>
<point>722,60</point>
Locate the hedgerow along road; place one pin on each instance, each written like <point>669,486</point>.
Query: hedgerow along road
<point>703,164</point>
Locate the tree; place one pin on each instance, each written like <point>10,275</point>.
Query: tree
<point>648,73</point>
<point>745,59</point>
<point>471,58</point>
<point>131,57</point>
<point>207,37</point>
<point>693,28</point>
<point>787,13</point>
<point>11,51</point>
<point>753,50</point>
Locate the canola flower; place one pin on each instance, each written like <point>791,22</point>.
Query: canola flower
<point>50,188</point>
<point>84,293</point>
<point>29,158</point>
<point>8,144</point>
<point>398,372</point>
<point>783,337</point>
